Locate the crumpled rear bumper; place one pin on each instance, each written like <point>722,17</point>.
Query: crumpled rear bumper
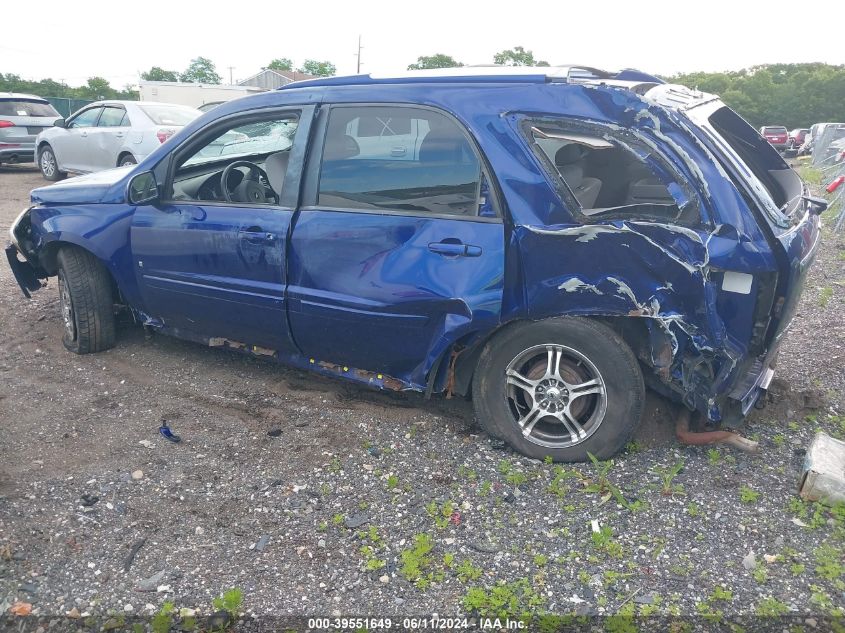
<point>23,271</point>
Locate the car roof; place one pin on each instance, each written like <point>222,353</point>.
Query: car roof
<point>487,74</point>
<point>130,102</point>
<point>21,95</point>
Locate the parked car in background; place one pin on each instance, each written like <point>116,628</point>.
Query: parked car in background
<point>108,134</point>
<point>205,107</point>
<point>796,139</point>
<point>22,118</point>
<point>548,240</point>
<point>777,136</point>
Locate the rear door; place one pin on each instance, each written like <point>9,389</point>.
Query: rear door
<point>72,146</point>
<point>108,137</point>
<point>398,249</point>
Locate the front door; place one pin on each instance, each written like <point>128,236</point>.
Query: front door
<point>107,138</point>
<point>210,258</point>
<point>395,253</point>
<point>72,147</point>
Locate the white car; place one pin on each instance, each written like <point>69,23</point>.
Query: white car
<point>108,134</point>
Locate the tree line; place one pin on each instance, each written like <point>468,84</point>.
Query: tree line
<point>793,95</point>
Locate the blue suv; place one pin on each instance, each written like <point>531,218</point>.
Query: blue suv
<point>546,240</point>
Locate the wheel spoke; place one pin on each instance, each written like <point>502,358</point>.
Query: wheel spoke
<point>574,426</point>
<point>553,355</point>
<point>521,382</point>
<point>527,422</point>
<point>585,389</point>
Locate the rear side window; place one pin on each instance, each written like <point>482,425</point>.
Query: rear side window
<point>402,159</point>
<point>112,117</point>
<point>27,108</point>
<point>611,178</point>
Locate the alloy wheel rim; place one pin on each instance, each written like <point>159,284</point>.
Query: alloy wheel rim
<point>48,163</point>
<point>67,308</point>
<point>556,395</point>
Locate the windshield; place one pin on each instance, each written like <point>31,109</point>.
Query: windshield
<point>170,114</point>
<point>27,108</point>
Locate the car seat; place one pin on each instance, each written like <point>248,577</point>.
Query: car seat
<point>569,161</point>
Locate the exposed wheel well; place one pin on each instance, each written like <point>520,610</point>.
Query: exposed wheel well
<point>48,258</point>
<point>632,330</point>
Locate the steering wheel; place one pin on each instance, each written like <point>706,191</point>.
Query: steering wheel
<point>250,188</point>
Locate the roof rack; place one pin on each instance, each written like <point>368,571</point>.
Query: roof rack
<point>483,74</point>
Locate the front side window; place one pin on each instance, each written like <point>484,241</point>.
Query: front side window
<point>402,159</point>
<point>246,163</point>
<point>609,177</point>
<point>112,117</point>
<point>85,119</point>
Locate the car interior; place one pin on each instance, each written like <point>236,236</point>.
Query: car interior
<point>246,164</point>
<point>607,178</point>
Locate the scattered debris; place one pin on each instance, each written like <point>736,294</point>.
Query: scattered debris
<point>151,583</point>
<point>21,608</point>
<point>357,520</point>
<point>263,540</point>
<point>685,436</point>
<point>750,560</point>
<point>274,432</point>
<point>88,500</point>
<point>137,474</point>
<point>824,470</point>
<point>167,434</point>
<point>146,444</point>
<point>133,552</point>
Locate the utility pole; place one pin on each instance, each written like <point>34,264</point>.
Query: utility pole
<point>359,55</point>
<point>230,75</point>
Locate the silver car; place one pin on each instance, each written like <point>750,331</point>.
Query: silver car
<point>108,134</point>
<point>22,118</point>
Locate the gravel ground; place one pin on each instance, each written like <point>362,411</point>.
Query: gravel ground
<point>318,498</point>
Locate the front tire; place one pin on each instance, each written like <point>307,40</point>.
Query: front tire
<point>48,164</point>
<point>562,387</point>
<point>85,297</point>
<point>129,159</point>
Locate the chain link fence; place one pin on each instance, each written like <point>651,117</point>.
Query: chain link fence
<point>65,106</point>
<point>828,158</point>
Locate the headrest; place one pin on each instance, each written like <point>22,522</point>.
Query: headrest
<point>340,148</point>
<point>570,153</point>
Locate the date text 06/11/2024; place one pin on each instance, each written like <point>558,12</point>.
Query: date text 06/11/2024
<point>421,622</point>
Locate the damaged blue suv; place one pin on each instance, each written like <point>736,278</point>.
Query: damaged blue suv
<point>548,240</point>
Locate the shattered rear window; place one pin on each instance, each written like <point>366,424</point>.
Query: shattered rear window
<point>611,177</point>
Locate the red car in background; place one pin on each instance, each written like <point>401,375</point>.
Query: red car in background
<point>776,135</point>
<point>796,139</point>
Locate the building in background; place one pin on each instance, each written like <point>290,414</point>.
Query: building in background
<point>269,79</point>
<point>191,94</point>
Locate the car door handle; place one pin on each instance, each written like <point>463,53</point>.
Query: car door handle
<point>454,249</point>
<point>83,134</point>
<point>257,235</point>
<point>119,134</point>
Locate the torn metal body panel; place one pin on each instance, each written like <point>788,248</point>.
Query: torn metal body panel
<point>611,197</point>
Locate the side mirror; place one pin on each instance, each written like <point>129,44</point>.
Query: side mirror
<point>817,205</point>
<point>59,123</point>
<point>143,188</point>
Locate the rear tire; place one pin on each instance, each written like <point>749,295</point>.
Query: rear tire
<point>48,164</point>
<point>129,159</point>
<point>85,296</point>
<point>559,388</point>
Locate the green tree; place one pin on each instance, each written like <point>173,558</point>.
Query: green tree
<point>157,73</point>
<point>317,68</point>
<point>281,63</point>
<point>202,71</point>
<point>517,56</point>
<point>438,60</point>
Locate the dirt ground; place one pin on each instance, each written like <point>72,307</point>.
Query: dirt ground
<point>317,517</point>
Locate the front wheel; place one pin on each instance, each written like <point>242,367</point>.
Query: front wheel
<point>85,297</point>
<point>127,160</point>
<point>562,387</point>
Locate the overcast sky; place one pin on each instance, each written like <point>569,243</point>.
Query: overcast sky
<point>71,42</point>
